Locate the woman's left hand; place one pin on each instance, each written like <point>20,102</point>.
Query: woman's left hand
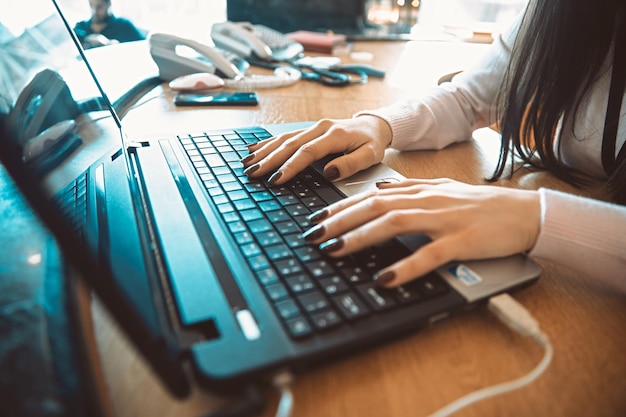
<point>463,221</point>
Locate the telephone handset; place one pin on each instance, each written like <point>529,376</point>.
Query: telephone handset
<point>258,41</point>
<point>42,122</point>
<point>45,101</point>
<point>176,56</point>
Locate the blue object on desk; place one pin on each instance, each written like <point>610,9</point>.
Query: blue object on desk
<point>359,68</point>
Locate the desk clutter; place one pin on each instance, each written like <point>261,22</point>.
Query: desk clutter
<point>190,65</point>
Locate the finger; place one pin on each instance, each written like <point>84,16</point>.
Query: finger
<point>296,151</point>
<point>415,182</point>
<point>351,201</point>
<point>292,157</point>
<point>426,259</point>
<point>263,148</point>
<point>350,163</point>
<point>377,230</point>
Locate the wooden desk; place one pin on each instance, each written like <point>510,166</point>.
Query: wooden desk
<point>418,374</point>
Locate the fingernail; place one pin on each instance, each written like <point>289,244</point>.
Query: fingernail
<point>313,233</point>
<point>251,169</point>
<point>385,278</point>
<point>382,182</point>
<point>317,216</point>
<point>331,173</point>
<point>275,176</point>
<point>332,245</point>
<point>245,160</point>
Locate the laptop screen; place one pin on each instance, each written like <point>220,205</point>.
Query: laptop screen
<point>55,123</point>
<point>48,96</point>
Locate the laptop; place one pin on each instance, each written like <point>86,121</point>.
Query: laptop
<point>345,17</point>
<point>202,267</point>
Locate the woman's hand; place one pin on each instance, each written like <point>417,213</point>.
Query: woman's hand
<point>363,140</point>
<point>464,222</point>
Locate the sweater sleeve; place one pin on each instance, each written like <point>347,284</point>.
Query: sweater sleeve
<point>450,112</point>
<point>586,235</point>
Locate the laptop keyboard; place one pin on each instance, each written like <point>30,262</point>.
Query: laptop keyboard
<point>72,203</point>
<point>311,292</point>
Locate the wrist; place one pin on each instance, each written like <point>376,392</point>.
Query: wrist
<point>379,126</point>
<point>534,208</point>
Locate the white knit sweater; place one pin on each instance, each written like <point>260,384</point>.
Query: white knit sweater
<point>586,235</point>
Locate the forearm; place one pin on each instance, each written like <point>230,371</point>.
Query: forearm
<point>450,112</point>
<point>584,234</point>
<point>433,122</point>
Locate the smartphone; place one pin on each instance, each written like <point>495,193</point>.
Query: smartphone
<point>223,98</point>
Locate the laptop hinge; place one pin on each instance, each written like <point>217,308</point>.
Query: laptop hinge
<point>197,332</point>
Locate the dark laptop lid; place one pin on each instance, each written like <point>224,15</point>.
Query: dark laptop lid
<point>55,122</point>
<point>290,15</point>
<point>348,17</point>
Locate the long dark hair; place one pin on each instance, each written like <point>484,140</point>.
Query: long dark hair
<point>560,52</point>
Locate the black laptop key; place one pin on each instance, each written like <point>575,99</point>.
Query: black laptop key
<point>303,221</point>
<point>268,238</point>
<point>251,249</point>
<point>258,263</point>
<point>287,227</point>
<point>350,306</point>
<point>277,291</point>
<point>295,240</point>
<point>276,216</point>
<point>432,285</point>
<point>288,267</point>
<point>299,328</point>
<point>307,254</point>
<point>225,208</point>
<point>329,195</point>
<point>314,301</point>
<point>288,309</point>
<point>270,206</point>
<point>242,205</point>
<point>313,202</point>
<point>299,284</point>
<point>267,276</point>
<point>278,252</point>
<point>356,274</point>
<point>333,285</point>
<point>252,186</point>
<point>228,183</point>
<point>320,268</point>
<point>407,294</point>
<point>260,226</point>
<point>378,298</point>
<point>251,214</point>
<point>287,199</point>
<point>262,196</point>
<point>326,320</point>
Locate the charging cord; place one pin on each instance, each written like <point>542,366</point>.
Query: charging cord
<point>514,315</point>
<point>282,77</point>
<point>282,382</point>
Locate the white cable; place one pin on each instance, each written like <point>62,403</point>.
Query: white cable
<point>519,319</point>
<point>283,76</point>
<point>283,382</point>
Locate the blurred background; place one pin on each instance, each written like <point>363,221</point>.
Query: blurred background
<point>193,18</point>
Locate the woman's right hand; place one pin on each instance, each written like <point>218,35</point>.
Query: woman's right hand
<point>362,140</point>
